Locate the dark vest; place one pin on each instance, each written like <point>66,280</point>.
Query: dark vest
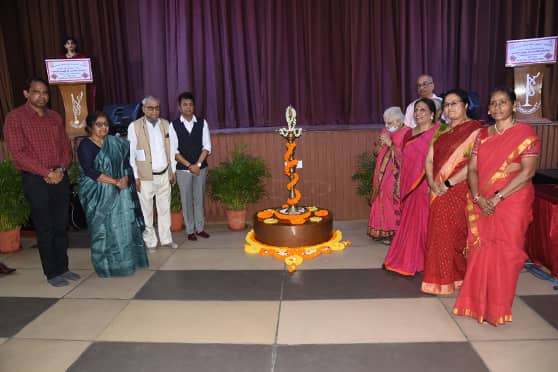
<point>190,145</point>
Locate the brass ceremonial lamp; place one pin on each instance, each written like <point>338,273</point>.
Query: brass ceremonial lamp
<point>290,134</point>
<point>291,233</point>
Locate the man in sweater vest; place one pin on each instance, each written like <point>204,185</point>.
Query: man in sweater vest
<point>152,159</point>
<point>194,146</point>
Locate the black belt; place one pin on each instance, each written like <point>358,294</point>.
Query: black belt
<point>161,172</point>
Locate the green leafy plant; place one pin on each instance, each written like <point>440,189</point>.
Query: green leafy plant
<point>73,175</point>
<point>14,209</point>
<point>238,181</point>
<point>366,161</point>
<point>175,203</point>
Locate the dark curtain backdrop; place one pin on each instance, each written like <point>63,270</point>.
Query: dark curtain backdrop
<point>336,61</point>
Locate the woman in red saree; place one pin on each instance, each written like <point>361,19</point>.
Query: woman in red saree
<point>384,209</point>
<point>406,253</point>
<point>502,164</point>
<point>446,171</point>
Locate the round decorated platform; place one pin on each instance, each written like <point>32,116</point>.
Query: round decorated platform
<point>294,237</point>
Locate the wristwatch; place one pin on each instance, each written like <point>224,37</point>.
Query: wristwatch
<point>198,164</point>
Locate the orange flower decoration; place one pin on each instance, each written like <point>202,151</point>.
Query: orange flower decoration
<point>321,213</point>
<point>265,214</point>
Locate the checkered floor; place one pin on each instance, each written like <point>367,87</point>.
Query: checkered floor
<point>208,306</point>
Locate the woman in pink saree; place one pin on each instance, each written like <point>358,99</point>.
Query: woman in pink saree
<point>503,161</point>
<point>384,208</point>
<point>406,253</point>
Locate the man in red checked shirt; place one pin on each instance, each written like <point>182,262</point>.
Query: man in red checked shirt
<point>40,149</point>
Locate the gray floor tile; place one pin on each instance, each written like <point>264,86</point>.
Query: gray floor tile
<point>17,312</point>
<point>344,284</point>
<point>213,285</point>
<point>168,357</point>
<point>416,357</point>
<point>545,305</point>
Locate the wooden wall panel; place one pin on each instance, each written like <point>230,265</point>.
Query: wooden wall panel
<point>329,161</point>
<point>549,151</point>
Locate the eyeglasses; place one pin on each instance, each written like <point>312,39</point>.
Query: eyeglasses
<point>100,124</point>
<point>424,84</point>
<point>152,108</point>
<point>452,104</point>
<point>498,103</point>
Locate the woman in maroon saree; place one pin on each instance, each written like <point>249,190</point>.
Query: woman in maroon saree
<point>384,209</point>
<point>446,171</point>
<point>406,253</point>
<point>502,164</point>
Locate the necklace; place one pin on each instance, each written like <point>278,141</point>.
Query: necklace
<point>505,129</point>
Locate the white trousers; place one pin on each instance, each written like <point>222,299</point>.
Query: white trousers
<point>160,189</point>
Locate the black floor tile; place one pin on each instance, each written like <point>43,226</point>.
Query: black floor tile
<point>137,356</point>
<point>344,284</point>
<point>415,357</point>
<point>213,285</point>
<point>17,312</point>
<point>545,305</point>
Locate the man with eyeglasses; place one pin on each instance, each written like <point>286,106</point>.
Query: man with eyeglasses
<point>154,170</point>
<point>425,89</point>
<point>40,149</point>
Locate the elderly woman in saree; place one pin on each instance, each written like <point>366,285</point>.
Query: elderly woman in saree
<point>109,198</point>
<point>384,209</point>
<point>406,253</point>
<point>446,172</point>
<point>503,161</point>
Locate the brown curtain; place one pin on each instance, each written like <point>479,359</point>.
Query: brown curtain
<point>337,61</point>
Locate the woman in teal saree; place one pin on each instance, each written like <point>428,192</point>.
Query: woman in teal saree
<point>109,198</point>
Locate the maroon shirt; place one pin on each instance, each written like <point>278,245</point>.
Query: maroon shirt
<point>37,143</point>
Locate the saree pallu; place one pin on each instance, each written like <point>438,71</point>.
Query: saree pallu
<point>406,253</point>
<point>113,216</point>
<point>496,242</point>
<point>445,262</point>
<point>384,216</point>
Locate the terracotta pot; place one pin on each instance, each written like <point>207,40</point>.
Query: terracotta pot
<point>177,221</point>
<point>236,219</point>
<point>10,240</point>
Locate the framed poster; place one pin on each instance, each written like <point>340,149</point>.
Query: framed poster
<point>72,70</point>
<point>541,50</point>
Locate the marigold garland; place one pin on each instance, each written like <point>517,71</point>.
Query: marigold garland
<point>312,214</point>
<point>293,257</point>
<point>289,165</point>
<point>321,213</point>
<point>265,214</point>
<point>291,217</point>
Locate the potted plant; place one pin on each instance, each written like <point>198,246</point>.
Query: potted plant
<point>14,209</point>
<point>177,218</point>
<point>364,174</point>
<point>236,183</point>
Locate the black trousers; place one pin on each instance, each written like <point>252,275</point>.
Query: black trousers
<point>49,210</point>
